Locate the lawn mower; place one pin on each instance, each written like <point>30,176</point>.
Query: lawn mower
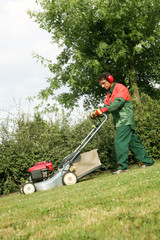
<point>70,170</point>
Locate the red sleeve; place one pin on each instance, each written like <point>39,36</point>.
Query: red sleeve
<point>103,110</point>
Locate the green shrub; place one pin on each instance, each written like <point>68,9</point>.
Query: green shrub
<point>29,141</point>
<point>147,117</point>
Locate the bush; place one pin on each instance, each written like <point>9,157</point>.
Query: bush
<point>147,117</point>
<point>33,140</point>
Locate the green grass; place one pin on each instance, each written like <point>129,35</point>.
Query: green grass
<point>125,206</point>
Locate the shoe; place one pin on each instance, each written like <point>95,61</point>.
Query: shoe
<point>120,171</point>
<point>143,166</point>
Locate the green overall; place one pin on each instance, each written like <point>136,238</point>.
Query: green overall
<point>118,103</point>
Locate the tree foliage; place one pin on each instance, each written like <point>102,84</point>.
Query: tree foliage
<point>121,37</point>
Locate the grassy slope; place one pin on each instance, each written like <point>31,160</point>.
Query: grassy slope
<point>125,206</point>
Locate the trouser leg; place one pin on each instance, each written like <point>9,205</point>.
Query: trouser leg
<point>138,150</point>
<point>122,140</point>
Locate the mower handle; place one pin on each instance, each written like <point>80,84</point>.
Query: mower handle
<point>93,131</point>
<point>87,139</point>
<point>97,118</point>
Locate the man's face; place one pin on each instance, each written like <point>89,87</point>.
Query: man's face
<point>105,84</point>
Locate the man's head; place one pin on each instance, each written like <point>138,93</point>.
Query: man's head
<point>106,80</point>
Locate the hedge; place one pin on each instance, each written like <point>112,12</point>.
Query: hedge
<point>34,140</point>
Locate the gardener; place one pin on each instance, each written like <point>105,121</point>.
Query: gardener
<point>118,103</point>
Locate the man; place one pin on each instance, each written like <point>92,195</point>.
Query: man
<point>118,103</point>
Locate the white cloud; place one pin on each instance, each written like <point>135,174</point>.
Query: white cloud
<point>20,75</point>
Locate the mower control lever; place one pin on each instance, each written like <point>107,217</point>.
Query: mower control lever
<point>98,119</point>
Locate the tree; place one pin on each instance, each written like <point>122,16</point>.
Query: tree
<point>122,37</point>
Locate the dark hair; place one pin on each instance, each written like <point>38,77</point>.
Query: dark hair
<point>103,75</point>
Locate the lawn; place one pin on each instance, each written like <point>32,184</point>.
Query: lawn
<point>105,206</point>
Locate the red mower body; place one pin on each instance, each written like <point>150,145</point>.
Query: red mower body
<point>41,166</point>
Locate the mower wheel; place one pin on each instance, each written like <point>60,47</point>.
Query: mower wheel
<point>69,178</point>
<point>21,187</point>
<point>28,188</point>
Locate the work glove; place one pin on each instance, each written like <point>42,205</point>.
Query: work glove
<point>98,112</point>
<point>93,115</point>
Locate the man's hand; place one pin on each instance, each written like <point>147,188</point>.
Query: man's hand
<point>93,115</point>
<point>98,112</point>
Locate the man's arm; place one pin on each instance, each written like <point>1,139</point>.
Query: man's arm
<point>118,102</point>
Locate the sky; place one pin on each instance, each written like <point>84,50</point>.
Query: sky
<point>21,76</point>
